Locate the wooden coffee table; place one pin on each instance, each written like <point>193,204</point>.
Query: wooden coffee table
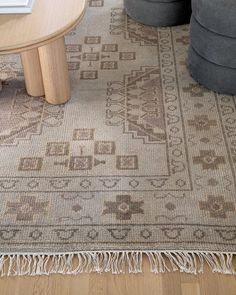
<point>39,38</point>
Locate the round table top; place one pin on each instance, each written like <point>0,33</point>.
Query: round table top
<point>49,20</point>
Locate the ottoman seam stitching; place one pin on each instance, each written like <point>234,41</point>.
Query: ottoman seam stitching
<point>212,31</point>
<point>210,60</point>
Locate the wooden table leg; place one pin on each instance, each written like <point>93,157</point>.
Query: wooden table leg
<point>55,71</point>
<point>32,72</point>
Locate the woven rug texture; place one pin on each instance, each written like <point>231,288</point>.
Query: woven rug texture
<point>141,160</point>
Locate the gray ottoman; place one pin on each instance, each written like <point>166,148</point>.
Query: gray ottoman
<point>159,12</point>
<point>212,54</point>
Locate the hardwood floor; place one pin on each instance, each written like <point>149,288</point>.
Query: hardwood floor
<point>108,284</point>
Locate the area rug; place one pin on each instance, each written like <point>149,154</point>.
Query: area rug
<point>140,162</point>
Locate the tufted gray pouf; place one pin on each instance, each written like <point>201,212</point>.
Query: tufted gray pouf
<point>159,12</point>
<point>212,54</point>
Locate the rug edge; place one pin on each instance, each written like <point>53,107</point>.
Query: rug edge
<point>116,262</point>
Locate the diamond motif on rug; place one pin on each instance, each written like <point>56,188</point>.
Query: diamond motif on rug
<point>23,116</point>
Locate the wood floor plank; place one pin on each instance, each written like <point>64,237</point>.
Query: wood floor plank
<point>172,283</point>
<point>227,285</point>
<point>98,284</point>
<point>190,289</point>
<point>78,284</point>
<point>151,283</point>
<point>42,285</point>
<point>209,282</point>
<point>107,284</point>
<point>189,278</point>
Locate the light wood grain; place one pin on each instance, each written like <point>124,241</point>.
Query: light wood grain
<point>55,72</point>
<point>32,72</point>
<point>190,288</point>
<point>108,284</point>
<point>49,21</point>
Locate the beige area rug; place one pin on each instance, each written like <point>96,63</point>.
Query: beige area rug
<point>141,161</point>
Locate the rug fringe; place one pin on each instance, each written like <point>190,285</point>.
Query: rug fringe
<point>117,262</point>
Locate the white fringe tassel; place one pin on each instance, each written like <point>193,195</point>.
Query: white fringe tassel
<point>117,262</point>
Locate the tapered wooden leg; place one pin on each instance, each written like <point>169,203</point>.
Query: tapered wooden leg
<point>32,72</point>
<point>55,71</point>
